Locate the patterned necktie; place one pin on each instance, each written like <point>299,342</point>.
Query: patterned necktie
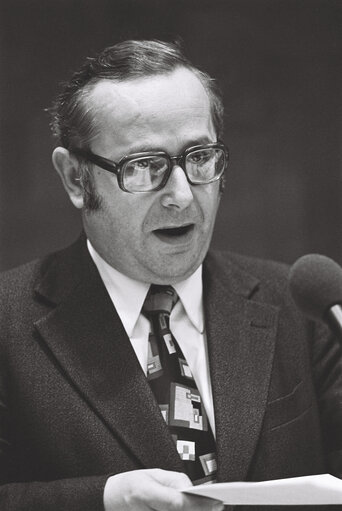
<point>175,390</point>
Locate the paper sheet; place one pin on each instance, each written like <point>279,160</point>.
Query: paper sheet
<point>311,490</point>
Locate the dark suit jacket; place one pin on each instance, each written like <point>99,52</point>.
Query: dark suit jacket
<point>75,406</point>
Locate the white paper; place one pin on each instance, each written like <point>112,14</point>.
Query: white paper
<point>311,490</point>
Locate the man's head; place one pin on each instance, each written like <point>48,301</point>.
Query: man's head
<point>135,97</point>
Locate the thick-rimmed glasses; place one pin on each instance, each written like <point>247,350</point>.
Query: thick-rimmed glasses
<point>149,171</point>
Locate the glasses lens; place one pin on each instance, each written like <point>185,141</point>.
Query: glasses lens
<point>205,165</point>
<point>144,174</point>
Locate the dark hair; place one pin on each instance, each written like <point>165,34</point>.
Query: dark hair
<point>72,122</point>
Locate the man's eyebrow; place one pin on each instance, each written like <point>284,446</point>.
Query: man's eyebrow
<point>152,148</point>
<point>198,141</point>
<point>144,149</point>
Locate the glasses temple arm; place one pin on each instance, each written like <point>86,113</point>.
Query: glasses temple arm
<point>104,163</point>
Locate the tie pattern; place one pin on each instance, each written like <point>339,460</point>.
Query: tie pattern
<point>175,390</point>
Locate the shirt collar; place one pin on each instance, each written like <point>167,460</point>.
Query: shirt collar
<point>128,295</point>
<point>190,292</point>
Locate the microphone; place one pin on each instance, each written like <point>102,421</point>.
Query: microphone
<point>316,288</point>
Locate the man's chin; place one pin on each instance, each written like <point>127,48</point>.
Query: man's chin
<point>173,270</point>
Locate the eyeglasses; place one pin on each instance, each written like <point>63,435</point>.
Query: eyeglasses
<point>149,171</point>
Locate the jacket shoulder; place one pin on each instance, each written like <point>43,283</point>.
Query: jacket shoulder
<point>262,268</point>
<point>269,277</point>
<point>265,269</point>
<point>18,284</point>
<point>21,278</point>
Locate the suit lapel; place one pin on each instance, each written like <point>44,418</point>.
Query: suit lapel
<point>86,337</point>
<point>241,337</point>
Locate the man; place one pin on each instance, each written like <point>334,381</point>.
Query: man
<point>82,425</point>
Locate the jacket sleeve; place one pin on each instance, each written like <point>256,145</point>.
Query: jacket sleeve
<point>78,494</point>
<point>327,367</point>
<point>74,494</point>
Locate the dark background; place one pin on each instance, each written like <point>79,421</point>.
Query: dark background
<point>279,65</point>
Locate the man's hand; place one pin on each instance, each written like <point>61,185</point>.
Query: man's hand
<point>153,490</point>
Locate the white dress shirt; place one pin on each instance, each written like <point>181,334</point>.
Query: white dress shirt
<point>186,321</point>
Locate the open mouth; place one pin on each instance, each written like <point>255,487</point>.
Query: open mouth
<point>175,231</point>
<point>175,234</point>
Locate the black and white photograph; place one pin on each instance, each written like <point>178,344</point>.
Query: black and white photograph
<point>170,255</point>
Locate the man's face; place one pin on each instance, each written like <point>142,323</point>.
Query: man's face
<point>157,237</point>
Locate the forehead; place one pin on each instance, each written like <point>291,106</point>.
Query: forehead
<point>172,104</point>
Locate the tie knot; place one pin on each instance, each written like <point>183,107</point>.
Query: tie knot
<point>159,299</point>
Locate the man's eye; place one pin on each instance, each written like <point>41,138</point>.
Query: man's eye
<point>155,165</point>
<point>142,164</point>
<point>199,157</point>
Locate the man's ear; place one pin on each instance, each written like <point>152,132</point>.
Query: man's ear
<point>67,166</point>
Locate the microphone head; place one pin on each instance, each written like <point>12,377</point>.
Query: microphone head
<point>316,284</point>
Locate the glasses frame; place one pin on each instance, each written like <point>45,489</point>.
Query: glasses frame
<point>117,168</point>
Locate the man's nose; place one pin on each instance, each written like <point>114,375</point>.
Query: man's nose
<point>177,192</point>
